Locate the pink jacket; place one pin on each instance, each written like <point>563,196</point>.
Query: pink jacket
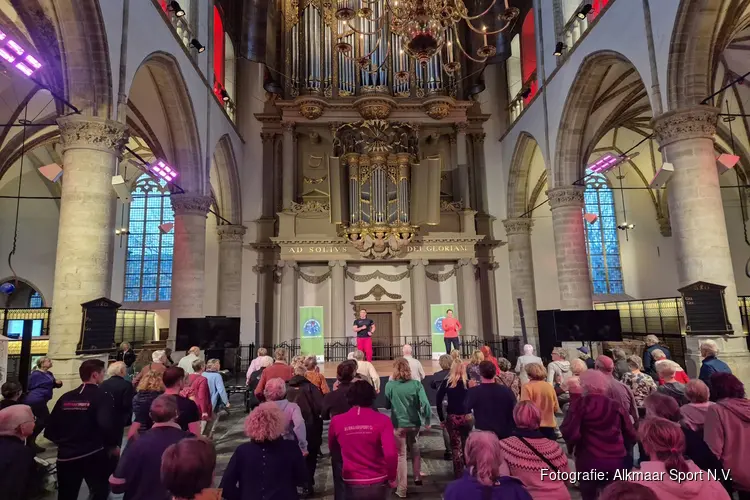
<point>727,432</point>
<point>198,391</point>
<point>669,489</point>
<point>365,440</point>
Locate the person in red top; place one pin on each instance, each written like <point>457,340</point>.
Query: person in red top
<point>451,327</point>
<point>197,390</point>
<point>364,439</point>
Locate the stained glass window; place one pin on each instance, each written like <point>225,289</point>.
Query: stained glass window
<point>35,300</point>
<point>148,266</point>
<point>602,242</point>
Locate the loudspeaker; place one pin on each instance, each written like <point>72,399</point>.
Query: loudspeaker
<point>52,171</point>
<point>726,162</point>
<point>662,176</point>
<point>118,184</point>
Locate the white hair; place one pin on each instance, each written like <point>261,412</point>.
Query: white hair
<point>406,349</point>
<point>710,347</point>
<point>194,350</point>
<point>117,368</point>
<point>666,368</point>
<point>528,350</point>
<point>266,361</point>
<point>157,356</point>
<point>651,340</point>
<point>275,389</point>
<point>351,355</point>
<point>658,354</point>
<point>358,355</point>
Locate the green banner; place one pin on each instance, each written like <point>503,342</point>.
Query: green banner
<point>437,313</point>
<point>311,329</point>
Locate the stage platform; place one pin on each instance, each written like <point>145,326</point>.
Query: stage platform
<point>383,367</point>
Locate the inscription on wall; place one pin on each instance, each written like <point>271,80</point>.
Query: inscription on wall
<point>345,249</point>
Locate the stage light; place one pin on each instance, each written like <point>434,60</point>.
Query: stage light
<point>605,163</point>
<point>12,52</point>
<point>32,61</point>
<point>15,47</point>
<point>5,55</point>
<point>224,95</point>
<point>24,69</point>
<point>197,46</point>
<point>164,171</point>
<point>526,92</point>
<point>123,231</point>
<point>2,36</point>
<point>175,7</point>
<point>625,226</point>
<point>584,11</point>
<point>559,49</point>
<point>726,162</point>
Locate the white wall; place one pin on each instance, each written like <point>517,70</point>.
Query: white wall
<point>399,287</point>
<point>211,277</point>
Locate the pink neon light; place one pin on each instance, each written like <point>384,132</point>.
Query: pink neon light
<point>32,61</point>
<point>16,48</point>
<point>24,69</point>
<point>5,55</point>
<point>2,35</point>
<point>164,171</point>
<point>604,163</point>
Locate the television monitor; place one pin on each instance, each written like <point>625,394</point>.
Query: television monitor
<point>588,326</point>
<point>14,328</point>
<point>214,332</point>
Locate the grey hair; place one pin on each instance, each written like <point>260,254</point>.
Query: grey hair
<point>359,355</point>
<point>711,347</point>
<point>300,370</point>
<point>658,353</point>
<point>563,353</point>
<point>117,368</point>
<point>406,350</point>
<point>213,365</point>
<point>280,354</point>
<point>635,363</point>
<point>40,361</point>
<point>275,389</point>
<point>262,351</point>
<point>651,340</point>
<point>265,362</point>
<point>528,349</point>
<point>157,356</point>
<point>666,368</point>
<point>618,353</point>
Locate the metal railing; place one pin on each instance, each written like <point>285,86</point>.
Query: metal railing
<point>33,313</point>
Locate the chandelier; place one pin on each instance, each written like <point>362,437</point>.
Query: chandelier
<point>425,28</point>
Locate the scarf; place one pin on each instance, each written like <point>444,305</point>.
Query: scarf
<point>693,415</point>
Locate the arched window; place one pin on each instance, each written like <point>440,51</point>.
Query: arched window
<point>148,266</point>
<point>528,56</point>
<point>35,300</point>
<point>602,242</point>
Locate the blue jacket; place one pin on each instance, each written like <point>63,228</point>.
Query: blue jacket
<point>468,488</point>
<point>216,388</point>
<point>40,388</point>
<point>649,364</point>
<point>712,365</point>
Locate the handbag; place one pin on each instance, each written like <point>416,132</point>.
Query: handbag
<point>536,452</point>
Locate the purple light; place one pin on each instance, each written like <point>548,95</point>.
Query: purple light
<point>5,55</point>
<point>2,35</point>
<point>16,48</point>
<point>605,163</point>
<point>33,62</point>
<point>24,69</point>
<point>164,171</point>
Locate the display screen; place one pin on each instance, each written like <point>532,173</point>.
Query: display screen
<point>14,328</point>
<point>587,326</point>
<point>207,333</point>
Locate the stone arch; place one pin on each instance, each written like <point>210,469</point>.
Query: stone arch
<point>227,187</point>
<point>179,112</point>
<point>518,180</point>
<point>29,284</point>
<point>575,131</point>
<point>702,29</point>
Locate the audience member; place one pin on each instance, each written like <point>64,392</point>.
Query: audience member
<point>219,398</point>
<point>662,406</point>
<point>625,490</point>
<point>455,354</point>
<point>367,370</point>
<point>486,476</point>
<point>417,372</point>
<point>487,353</point>
<point>312,373</point>
<point>621,363</point>
<point>445,361</point>
<point>261,361</point>
<point>671,387</point>
<point>649,363</point>
<point>87,435</point>
<point>142,359</point>
<point>528,452</point>
<point>197,390</point>
<point>458,420</point>
<point>692,420</point>
<point>158,364</point>
<point>150,387</point>
<point>527,358</point>
<point>410,410</point>
<point>363,438</point>
<point>640,384</point>
<point>187,470</point>
<point>506,377</point>
<point>294,424</point>
<point>542,394</point>
<point>188,414</point>
<point>38,395</point>
<point>269,466</point>
<point>558,371</point>
<point>279,369</point>
<point>617,390</point>
<point>573,385</point>
<point>16,459</point>
<point>597,431</point>
<point>335,402</point>
<point>168,355</point>
<point>727,429</point>
<point>122,393</point>
<point>711,363</point>
<point>586,357</point>
<point>491,403</point>
<point>186,362</point>
<point>308,397</point>
<point>472,367</point>
<point>126,354</point>
<point>11,392</point>
<point>665,444</point>
<point>138,475</point>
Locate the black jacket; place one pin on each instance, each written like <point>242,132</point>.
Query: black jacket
<point>83,422</point>
<point>127,357</point>
<point>335,402</point>
<point>122,395</point>
<point>18,469</point>
<point>310,401</point>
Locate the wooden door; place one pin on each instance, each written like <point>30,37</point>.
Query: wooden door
<point>383,327</point>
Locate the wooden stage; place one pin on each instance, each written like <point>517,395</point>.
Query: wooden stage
<point>384,367</point>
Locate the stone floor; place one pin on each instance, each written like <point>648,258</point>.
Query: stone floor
<point>437,472</point>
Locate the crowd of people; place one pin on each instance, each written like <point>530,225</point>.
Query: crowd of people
<point>635,427</point>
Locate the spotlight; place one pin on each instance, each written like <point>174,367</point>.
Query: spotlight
<point>526,92</point>
<point>606,162</point>
<point>662,176</point>
<point>122,231</point>
<point>52,171</point>
<point>559,49</point>
<point>175,7</point>
<point>224,95</point>
<point>121,188</point>
<point>726,162</point>
<point>166,227</point>
<point>590,218</point>
<point>14,53</point>
<point>197,45</point>
<point>164,171</point>
<point>584,11</point>
<point>625,226</point>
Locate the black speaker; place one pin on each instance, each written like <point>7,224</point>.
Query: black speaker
<point>257,324</point>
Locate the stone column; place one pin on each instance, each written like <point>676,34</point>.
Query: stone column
<point>488,300</point>
<point>420,309</point>
<point>286,270</point>
<point>522,276</point>
<point>699,230</point>
<point>467,297</point>
<point>570,247</point>
<point>189,260</point>
<point>462,162</point>
<point>267,202</point>
<point>230,270</point>
<point>265,320</point>
<point>85,241</point>
<point>287,174</point>
<point>338,300</point>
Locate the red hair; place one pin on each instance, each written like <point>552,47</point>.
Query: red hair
<point>665,441</point>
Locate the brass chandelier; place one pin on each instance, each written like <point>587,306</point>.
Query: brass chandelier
<point>425,29</point>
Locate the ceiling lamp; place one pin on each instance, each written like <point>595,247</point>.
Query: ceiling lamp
<point>559,47</point>
<point>194,43</point>
<point>14,54</point>
<point>605,163</point>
